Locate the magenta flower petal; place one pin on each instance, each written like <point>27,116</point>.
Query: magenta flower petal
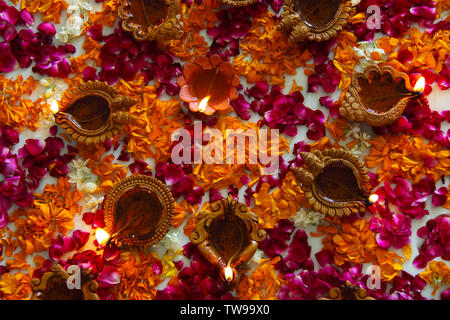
<point>4,218</point>
<point>34,146</point>
<point>10,14</point>
<point>47,28</point>
<point>8,62</point>
<point>173,174</point>
<point>26,17</point>
<point>109,277</point>
<point>439,197</point>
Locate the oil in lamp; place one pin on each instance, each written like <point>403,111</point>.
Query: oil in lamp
<point>314,20</point>
<point>93,112</point>
<point>335,182</point>
<point>53,286</point>
<point>138,212</point>
<point>227,237</point>
<point>379,95</point>
<point>151,19</point>
<point>208,84</point>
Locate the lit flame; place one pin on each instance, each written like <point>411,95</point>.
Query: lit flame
<point>102,236</point>
<point>420,85</point>
<point>373,198</point>
<point>54,107</point>
<point>228,273</point>
<point>203,104</point>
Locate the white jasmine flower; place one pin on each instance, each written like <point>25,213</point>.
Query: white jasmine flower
<point>362,145</point>
<point>355,2</point>
<point>171,241</point>
<point>305,217</point>
<point>364,52</point>
<point>354,131</point>
<point>45,82</point>
<point>77,12</point>
<point>81,175</point>
<point>92,202</point>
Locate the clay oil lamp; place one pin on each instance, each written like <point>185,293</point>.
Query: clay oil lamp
<point>379,95</point>
<point>227,237</point>
<point>151,19</point>
<point>138,212</point>
<point>93,112</point>
<point>314,20</point>
<point>335,182</point>
<point>208,84</point>
<point>347,292</point>
<point>53,285</point>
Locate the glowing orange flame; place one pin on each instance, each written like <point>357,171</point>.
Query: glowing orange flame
<point>102,236</point>
<point>373,198</point>
<point>420,85</point>
<point>203,104</point>
<point>228,272</point>
<point>54,107</point>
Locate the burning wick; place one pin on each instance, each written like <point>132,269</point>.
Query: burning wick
<point>420,85</point>
<point>373,198</point>
<point>54,107</point>
<point>228,272</point>
<point>102,236</point>
<point>203,104</point>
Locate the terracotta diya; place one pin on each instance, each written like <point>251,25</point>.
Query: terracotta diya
<point>53,286</point>
<point>379,95</point>
<point>347,292</point>
<point>93,112</point>
<point>227,236</point>
<point>138,212</point>
<point>335,182</point>
<point>151,19</point>
<point>208,84</point>
<point>314,20</point>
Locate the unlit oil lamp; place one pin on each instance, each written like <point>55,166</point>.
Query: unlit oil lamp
<point>379,95</point>
<point>208,84</point>
<point>93,112</point>
<point>151,19</point>
<point>335,182</point>
<point>314,20</point>
<point>138,212</point>
<point>227,237</point>
<point>53,285</point>
<point>347,292</point>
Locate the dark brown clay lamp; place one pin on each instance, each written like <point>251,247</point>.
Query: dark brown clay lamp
<point>314,20</point>
<point>53,286</point>
<point>335,182</point>
<point>138,212</point>
<point>93,112</point>
<point>208,84</point>
<point>151,19</point>
<point>347,292</point>
<point>379,95</point>
<point>227,237</point>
